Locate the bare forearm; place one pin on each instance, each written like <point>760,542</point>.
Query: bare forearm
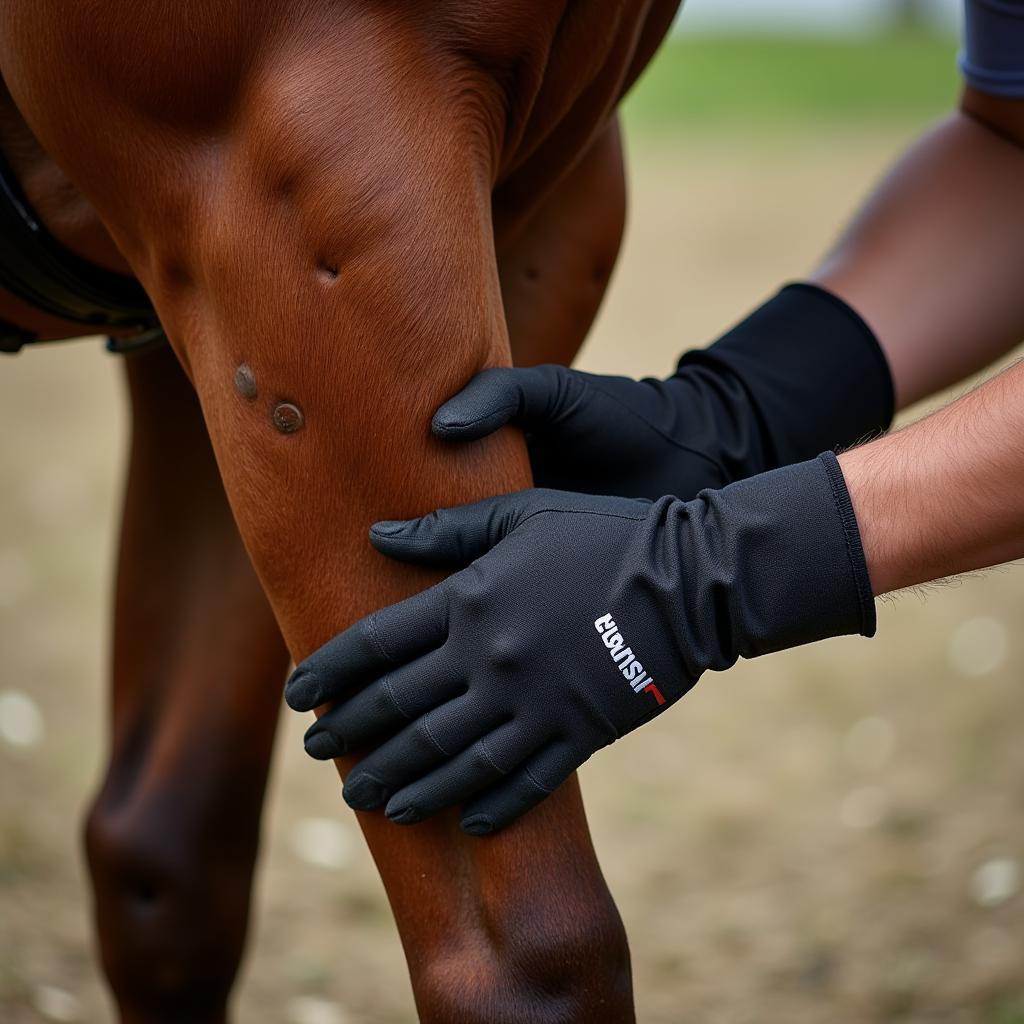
<point>932,260</point>
<point>945,495</point>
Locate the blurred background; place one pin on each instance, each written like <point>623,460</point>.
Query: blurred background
<point>833,834</point>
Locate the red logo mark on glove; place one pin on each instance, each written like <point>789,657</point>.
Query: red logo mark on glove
<point>654,692</point>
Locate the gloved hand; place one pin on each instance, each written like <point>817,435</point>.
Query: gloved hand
<point>578,619</point>
<point>800,375</point>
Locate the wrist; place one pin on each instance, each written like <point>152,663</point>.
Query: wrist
<point>943,496</point>
<point>897,529</point>
<point>864,482</point>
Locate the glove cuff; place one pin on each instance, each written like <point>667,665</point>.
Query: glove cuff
<point>815,373</point>
<point>854,545</point>
<point>791,540</point>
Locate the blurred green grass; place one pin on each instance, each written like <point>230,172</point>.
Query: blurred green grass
<point>769,83</point>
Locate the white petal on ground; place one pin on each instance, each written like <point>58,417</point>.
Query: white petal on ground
<point>324,842</point>
<point>21,721</point>
<point>978,647</point>
<point>869,743</point>
<point>314,1010</point>
<point>864,808</point>
<point>996,881</point>
<point>55,1004</point>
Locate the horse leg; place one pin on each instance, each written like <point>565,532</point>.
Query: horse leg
<point>197,674</point>
<point>319,418</point>
<point>555,271</point>
<point>318,375</point>
<point>313,222</point>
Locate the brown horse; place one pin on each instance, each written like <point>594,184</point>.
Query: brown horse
<point>340,211</point>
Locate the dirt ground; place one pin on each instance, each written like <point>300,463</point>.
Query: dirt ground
<point>833,834</point>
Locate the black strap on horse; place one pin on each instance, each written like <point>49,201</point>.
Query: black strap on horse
<point>42,272</point>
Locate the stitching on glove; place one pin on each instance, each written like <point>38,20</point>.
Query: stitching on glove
<point>487,755</point>
<point>390,691</point>
<point>584,512</point>
<point>425,724</point>
<point>371,629</point>
<point>661,433</point>
<point>533,778</point>
<point>565,401</point>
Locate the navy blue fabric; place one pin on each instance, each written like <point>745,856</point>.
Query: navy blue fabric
<point>992,59</point>
<point>576,619</point>
<point>801,374</point>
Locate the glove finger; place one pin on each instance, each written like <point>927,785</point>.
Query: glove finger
<point>452,536</point>
<point>418,749</point>
<point>369,648</point>
<point>384,706</point>
<point>484,763</point>
<point>532,397</point>
<point>535,780</point>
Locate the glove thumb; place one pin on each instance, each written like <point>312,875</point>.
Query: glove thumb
<point>451,537</point>
<point>532,397</point>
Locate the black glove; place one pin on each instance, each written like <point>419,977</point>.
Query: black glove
<point>580,619</point>
<point>800,375</point>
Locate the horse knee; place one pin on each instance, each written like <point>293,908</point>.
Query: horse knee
<point>573,970</point>
<point>171,914</point>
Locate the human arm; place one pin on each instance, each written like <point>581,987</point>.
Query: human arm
<point>945,495</point>
<point>930,263</point>
<point>932,260</point>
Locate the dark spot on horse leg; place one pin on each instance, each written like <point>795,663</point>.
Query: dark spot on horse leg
<point>287,418</point>
<point>327,272</point>
<point>531,274</point>
<point>145,894</point>
<point>142,893</point>
<point>245,382</point>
